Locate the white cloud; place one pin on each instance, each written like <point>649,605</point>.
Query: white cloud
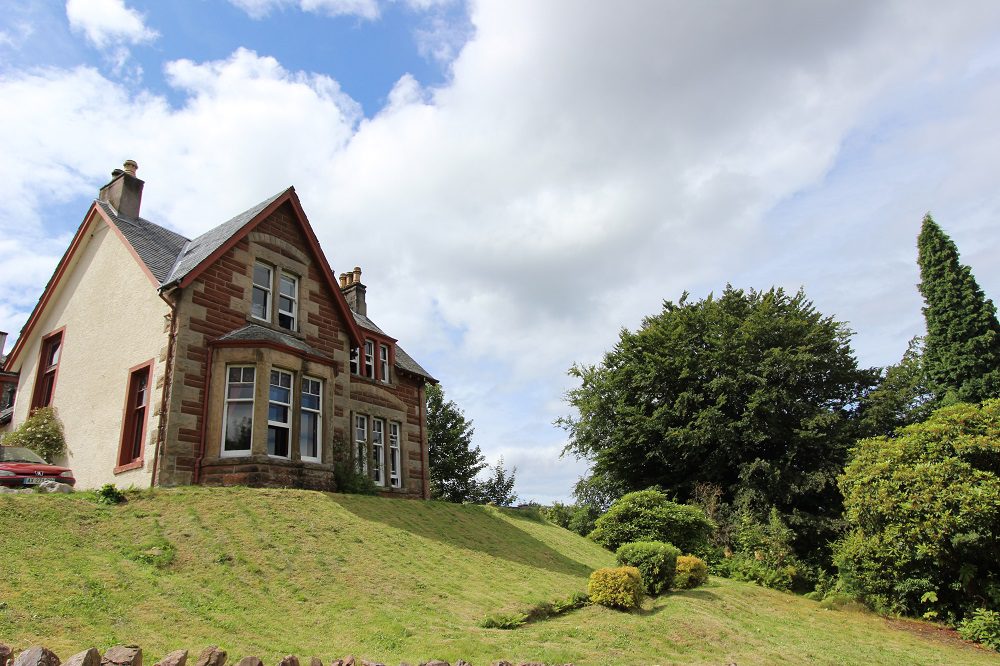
<point>108,23</point>
<point>584,162</point>
<point>258,9</point>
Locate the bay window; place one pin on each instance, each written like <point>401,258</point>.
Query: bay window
<point>279,408</point>
<point>310,420</point>
<point>361,443</point>
<point>394,460</point>
<point>238,418</point>
<point>378,451</point>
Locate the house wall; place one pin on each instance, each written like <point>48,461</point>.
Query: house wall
<point>113,320</point>
<point>218,302</point>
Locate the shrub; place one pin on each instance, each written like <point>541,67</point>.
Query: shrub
<point>349,480</point>
<point>983,627</point>
<point>691,572</point>
<point>647,515</point>
<point>923,510</point>
<point>559,514</point>
<point>42,432</point>
<point>619,587</point>
<point>655,560</point>
<point>751,570</point>
<point>503,621</point>
<point>108,494</point>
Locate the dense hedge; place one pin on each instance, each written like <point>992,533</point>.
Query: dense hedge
<point>691,572</point>
<point>616,587</point>
<point>647,515</point>
<point>923,510</point>
<point>655,560</point>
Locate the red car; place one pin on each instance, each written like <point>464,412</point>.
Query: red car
<point>21,467</point>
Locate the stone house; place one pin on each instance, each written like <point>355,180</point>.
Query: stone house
<point>232,358</point>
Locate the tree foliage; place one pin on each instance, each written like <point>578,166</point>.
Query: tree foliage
<point>902,397</point>
<point>924,515</point>
<point>498,488</point>
<point>751,391</point>
<point>454,461</point>
<point>962,353</point>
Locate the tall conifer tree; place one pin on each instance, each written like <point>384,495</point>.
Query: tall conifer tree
<point>962,347</point>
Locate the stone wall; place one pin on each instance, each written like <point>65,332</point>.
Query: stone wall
<point>131,655</point>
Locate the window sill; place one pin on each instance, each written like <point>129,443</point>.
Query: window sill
<point>135,464</point>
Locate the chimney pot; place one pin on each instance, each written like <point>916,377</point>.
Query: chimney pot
<point>357,274</point>
<point>343,280</point>
<point>130,167</point>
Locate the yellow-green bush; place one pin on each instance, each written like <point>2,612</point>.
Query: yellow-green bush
<point>691,572</point>
<point>616,587</point>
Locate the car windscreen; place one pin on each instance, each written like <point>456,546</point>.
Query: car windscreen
<point>20,454</point>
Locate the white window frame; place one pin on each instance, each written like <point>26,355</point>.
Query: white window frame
<point>395,460</point>
<point>383,358</point>
<point>233,453</point>
<point>361,443</point>
<point>355,361</point>
<point>268,290</point>
<point>369,359</point>
<point>309,383</point>
<point>294,298</point>
<point>285,425</point>
<point>378,452</point>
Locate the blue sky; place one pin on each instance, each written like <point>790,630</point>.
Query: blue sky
<point>521,179</point>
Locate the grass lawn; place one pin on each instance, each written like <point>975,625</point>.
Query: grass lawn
<point>276,572</point>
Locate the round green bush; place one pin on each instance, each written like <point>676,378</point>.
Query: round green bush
<point>983,627</point>
<point>691,572</point>
<point>647,515</point>
<point>616,587</point>
<point>655,560</point>
<point>42,432</point>
<point>923,512</point>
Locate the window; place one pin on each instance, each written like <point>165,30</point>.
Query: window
<point>355,353</point>
<point>378,451</point>
<point>394,461</point>
<point>310,423</point>
<point>383,355</point>
<point>369,359</point>
<point>287,301</point>
<point>136,411</point>
<point>361,443</point>
<point>279,414</point>
<point>236,436</point>
<point>261,303</point>
<point>48,366</point>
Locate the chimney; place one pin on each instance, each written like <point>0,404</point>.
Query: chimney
<point>124,192</point>
<point>3,341</point>
<point>354,291</point>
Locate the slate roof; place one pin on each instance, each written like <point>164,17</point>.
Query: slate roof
<point>203,246</point>
<point>156,246</point>
<point>255,333</point>
<point>403,360</point>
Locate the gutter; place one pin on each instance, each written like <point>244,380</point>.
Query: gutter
<point>167,386</point>
<point>196,473</point>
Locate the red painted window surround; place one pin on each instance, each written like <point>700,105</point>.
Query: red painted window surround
<point>360,370</point>
<point>48,369</point>
<point>135,417</point>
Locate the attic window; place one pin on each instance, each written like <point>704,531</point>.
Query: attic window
<point>261,306</point>
<point>288,288</point>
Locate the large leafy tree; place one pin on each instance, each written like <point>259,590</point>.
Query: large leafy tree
<point>752,392</point>
<point>454,461</point>
<point>962,355</point>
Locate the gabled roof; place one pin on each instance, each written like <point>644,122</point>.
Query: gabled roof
<point>403,360</point>
<point>196,251</point>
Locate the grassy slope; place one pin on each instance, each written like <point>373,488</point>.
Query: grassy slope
<point>275,572</point>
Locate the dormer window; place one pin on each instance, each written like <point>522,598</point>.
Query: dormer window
<point>383,359</point>
<point>261,305</point>
<point>355,355</point>
<point>288,288</point>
